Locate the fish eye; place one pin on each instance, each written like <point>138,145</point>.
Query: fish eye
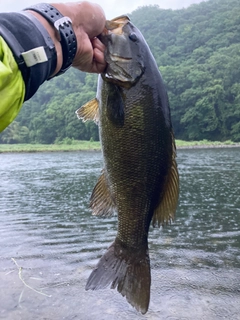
<point>133,37</point>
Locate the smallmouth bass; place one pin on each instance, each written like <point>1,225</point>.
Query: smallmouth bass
<point>140,178</point>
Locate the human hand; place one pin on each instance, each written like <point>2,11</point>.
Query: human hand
<point>88,21</point>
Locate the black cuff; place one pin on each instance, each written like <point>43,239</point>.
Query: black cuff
<point>23,32</point>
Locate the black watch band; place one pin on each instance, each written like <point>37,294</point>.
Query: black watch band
<point>64,27</point>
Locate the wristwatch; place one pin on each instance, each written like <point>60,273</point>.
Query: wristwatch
<point>63,25</point>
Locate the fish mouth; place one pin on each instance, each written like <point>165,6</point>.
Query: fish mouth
<point>118,71</point>
<point>122,68</point>
<point>116,58</point>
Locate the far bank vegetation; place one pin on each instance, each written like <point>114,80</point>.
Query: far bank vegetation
<point>197,51</point>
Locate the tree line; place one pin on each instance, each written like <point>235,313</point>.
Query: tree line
<point>197,50</point>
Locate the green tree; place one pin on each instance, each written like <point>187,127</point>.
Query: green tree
<point>15,133</point>
<point>197,51</point>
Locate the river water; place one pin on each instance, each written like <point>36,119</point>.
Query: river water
<point>49,242</point>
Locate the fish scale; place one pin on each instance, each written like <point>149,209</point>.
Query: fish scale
<point>134,169</point>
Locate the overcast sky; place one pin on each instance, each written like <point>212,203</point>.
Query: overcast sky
<point>112,8</point>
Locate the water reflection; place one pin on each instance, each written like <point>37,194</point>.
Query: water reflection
<point>47,228</point>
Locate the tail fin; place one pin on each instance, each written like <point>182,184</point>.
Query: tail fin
<point>129,271</point>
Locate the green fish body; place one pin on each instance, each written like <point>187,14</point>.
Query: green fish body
<point>140,178</point>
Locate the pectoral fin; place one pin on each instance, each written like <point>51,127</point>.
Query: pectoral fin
<point>115,106</point>
<point>166,209</point>
<point>89,111</point>
<point>102,202</point>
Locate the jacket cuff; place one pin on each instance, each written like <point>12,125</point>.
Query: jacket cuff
<point>32,48</point>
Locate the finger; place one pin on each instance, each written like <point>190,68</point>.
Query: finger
<point>96,43</point>
<point>97,67</point>
<point>93,20</point>
<point>99,56</point>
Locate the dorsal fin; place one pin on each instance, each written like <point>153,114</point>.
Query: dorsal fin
<point>89,111</point>
<point>165,211</point>
<point>102,202</point>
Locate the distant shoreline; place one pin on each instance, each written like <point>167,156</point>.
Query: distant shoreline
<point>95,146</point>
<point>219,146</point>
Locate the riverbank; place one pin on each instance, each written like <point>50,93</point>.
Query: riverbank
<point>74,146</point>
<point>95,146</point>
<point>181,144</point>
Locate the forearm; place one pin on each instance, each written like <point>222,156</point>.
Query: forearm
<point>36,45</point>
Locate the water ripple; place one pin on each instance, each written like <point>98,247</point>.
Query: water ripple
<point>47,228</point>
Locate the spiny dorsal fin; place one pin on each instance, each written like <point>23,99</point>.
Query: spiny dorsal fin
<point>89,111</point>
<point>102,202</point>
<point>165,211</point>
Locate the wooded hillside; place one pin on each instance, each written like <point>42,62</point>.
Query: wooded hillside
<point>198,53</point>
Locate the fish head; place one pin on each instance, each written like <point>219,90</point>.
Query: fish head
<point>124,57</point>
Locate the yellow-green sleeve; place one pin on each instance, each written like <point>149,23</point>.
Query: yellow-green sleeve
<point>12,87</point>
